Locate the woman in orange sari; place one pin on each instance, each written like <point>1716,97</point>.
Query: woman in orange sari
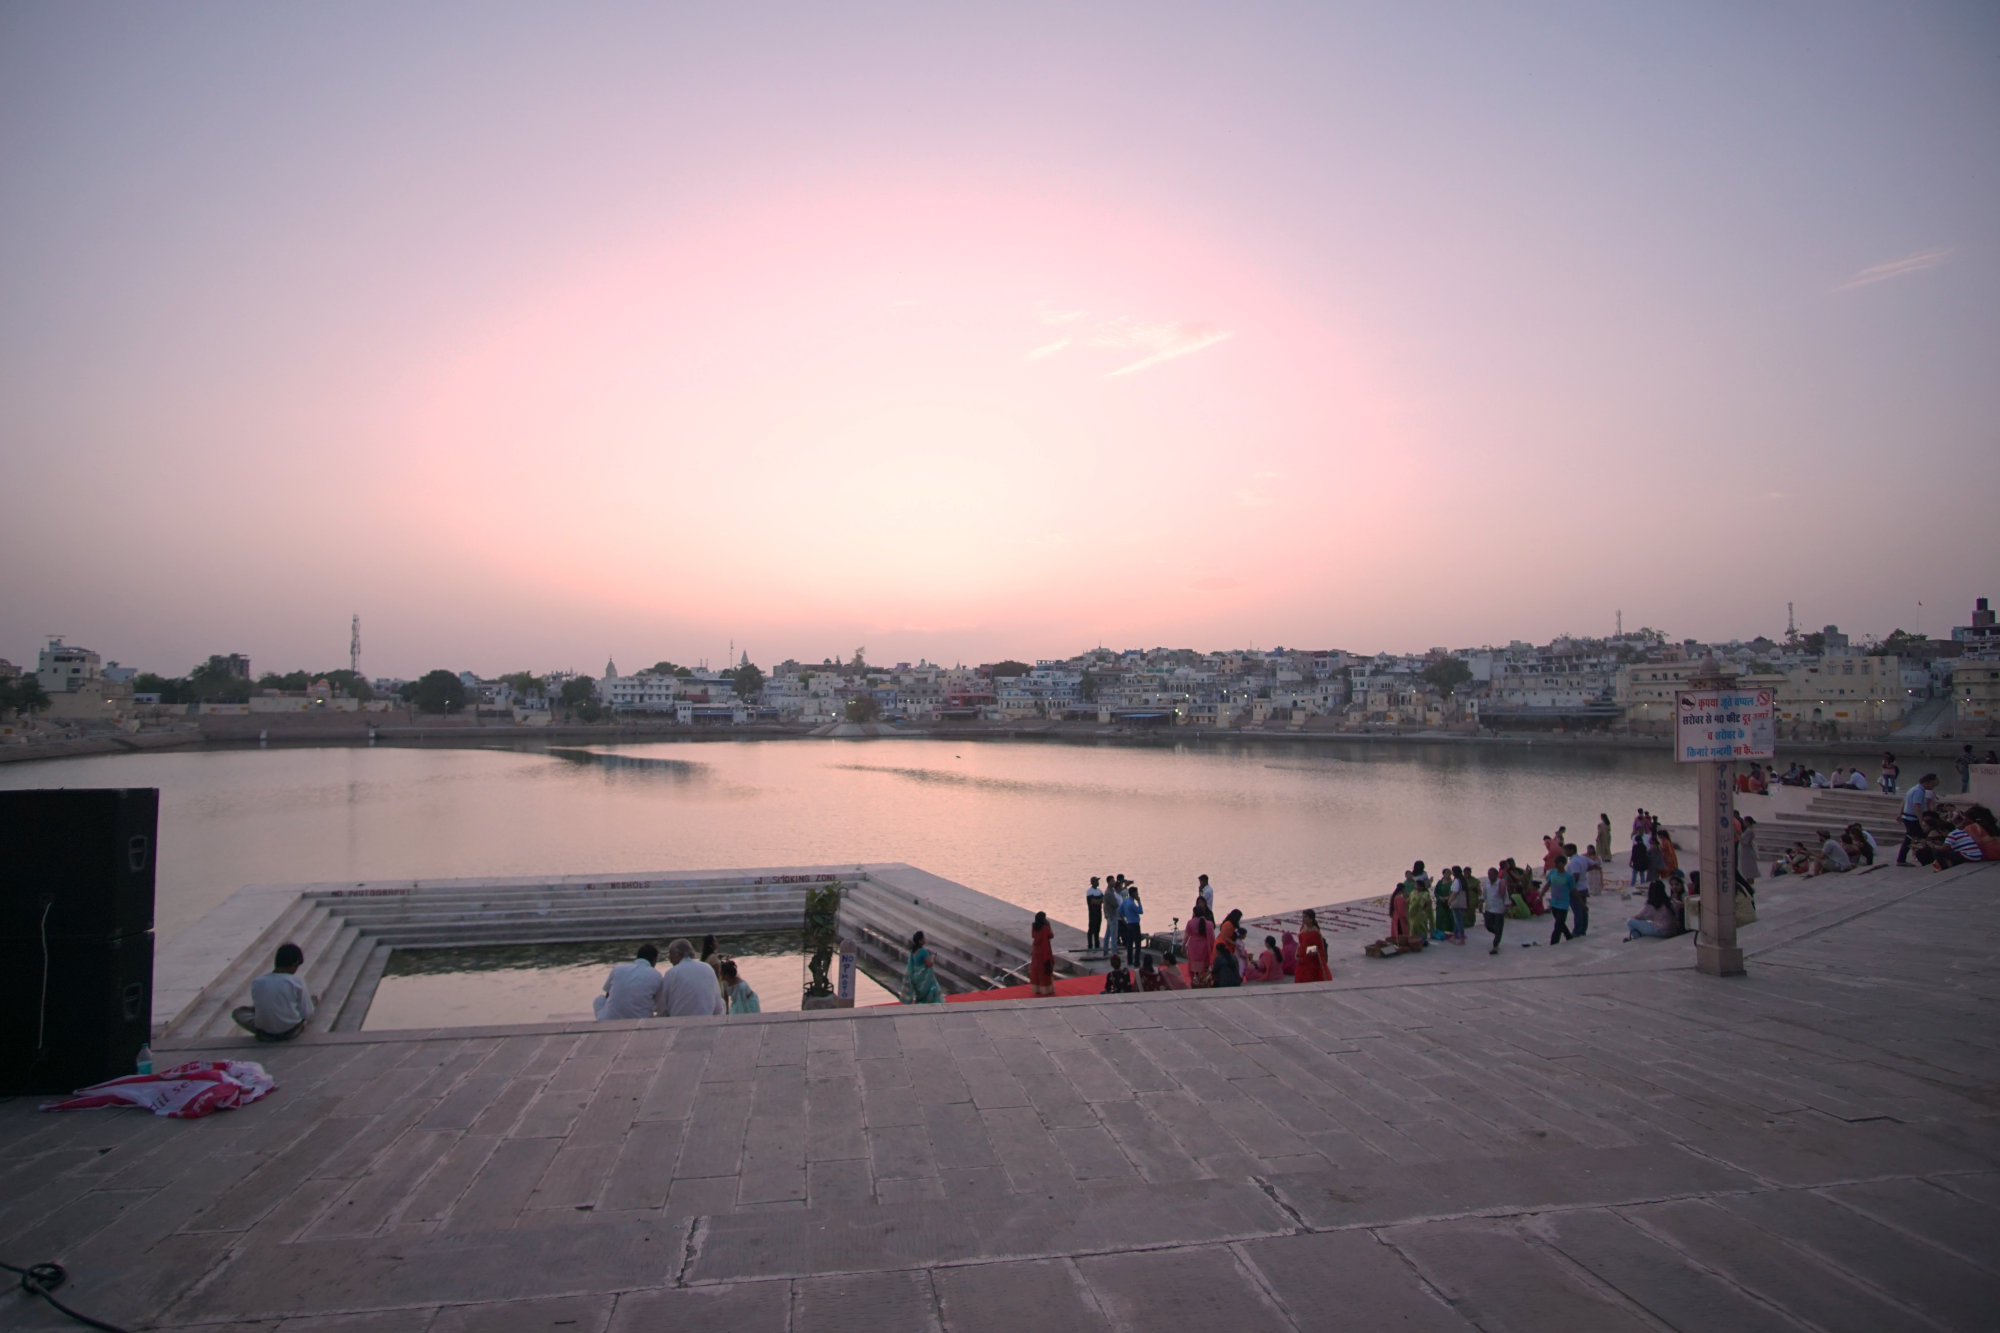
<point>1042,964</point>
<point>1668,856</point>
<point>1312,952</point>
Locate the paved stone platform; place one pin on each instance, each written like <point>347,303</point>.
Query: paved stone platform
<point>1587,1137</point>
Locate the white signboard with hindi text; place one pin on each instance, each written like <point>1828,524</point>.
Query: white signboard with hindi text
<point>1727,724</point>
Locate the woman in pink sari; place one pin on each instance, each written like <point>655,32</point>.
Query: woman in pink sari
<point>1271,962</point>
<point>1200,940</point>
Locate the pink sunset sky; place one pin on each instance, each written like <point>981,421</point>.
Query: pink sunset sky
<point>537,334</point>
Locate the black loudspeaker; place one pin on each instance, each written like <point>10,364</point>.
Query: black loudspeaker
<point>76,942</point>
<point>89,1022</point>
<point>77,864</point>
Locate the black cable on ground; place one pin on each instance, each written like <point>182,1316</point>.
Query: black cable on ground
<point>42,1280</point>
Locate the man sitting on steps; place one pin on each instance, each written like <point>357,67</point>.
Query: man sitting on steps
<point>279,1004</point>
<point>633,989</point>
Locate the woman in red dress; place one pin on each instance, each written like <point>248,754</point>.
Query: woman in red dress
<point>1042,964</point>
<point>1312,952</point>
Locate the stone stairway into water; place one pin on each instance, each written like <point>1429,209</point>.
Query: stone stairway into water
<point>1832,811</point>
<point>347,932</point>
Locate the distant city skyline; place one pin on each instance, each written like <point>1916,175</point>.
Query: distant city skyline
<point>638,656</point>
<point>537,335</point>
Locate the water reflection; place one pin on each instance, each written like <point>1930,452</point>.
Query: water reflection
<point>630,763</point>
<point>542,983</point>
<point>1276,825</point>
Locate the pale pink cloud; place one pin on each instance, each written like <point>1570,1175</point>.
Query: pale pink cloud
<point>1896,268</point>
<point>832,391</point>
<point>1156,340</point>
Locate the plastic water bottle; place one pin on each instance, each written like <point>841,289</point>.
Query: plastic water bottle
<point>146,1058</point>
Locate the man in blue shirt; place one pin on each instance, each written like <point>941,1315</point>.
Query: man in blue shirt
<point>1559,884</point>
<point>1916,804</point>
<point>1128,915</point>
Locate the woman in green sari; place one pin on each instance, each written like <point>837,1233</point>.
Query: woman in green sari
<point>920,983</point>
<point>1416,890</point>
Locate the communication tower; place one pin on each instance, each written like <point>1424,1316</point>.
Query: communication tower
<point>354,646</point>
<point>1791,624</point>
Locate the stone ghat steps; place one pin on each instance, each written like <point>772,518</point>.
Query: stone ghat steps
<point>1851,799</point>
<point>348,935</point>
<point>1832,811</point>
<point>636,927</point>
<point>303,923</point>
<point>969,955</point>
<point>389,913</point>
<point>345,935</point>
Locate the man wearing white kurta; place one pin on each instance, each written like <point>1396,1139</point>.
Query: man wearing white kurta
<point>689,989</point>
<point>633,989</point>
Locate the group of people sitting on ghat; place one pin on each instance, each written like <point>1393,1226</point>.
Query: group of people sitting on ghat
<point>1760,780</point>
<point>1935,834</point>
<point>693,986</point>
<point>1848,779</point>
<point>1942,836</point>
<point>1852,846</point>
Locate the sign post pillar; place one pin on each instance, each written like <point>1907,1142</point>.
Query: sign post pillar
<point>1715,949</point>
<point>1715,725</point>
<point>843,988</point>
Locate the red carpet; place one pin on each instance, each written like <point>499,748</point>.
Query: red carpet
<point>1064,986</point>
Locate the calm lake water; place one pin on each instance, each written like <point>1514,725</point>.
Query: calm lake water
<point>1275,826</point>
<point>540,983</point>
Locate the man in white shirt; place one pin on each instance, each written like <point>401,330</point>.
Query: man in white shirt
<point>279,1004</point>
<point>1832,856</point>
<point>689,988</point>
<point>633,989</point>
<point>1493,897</point>
<point>1207,892</point>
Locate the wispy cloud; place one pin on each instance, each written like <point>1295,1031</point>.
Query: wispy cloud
<point>1174,338</point>
<point>1895,268</point>
<point>1261,493</point>
<point>1155,340</point>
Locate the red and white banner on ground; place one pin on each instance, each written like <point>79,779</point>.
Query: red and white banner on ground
<point>185,1092</point>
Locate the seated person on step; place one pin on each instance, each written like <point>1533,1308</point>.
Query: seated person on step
<point>633,989</point>
<point>736,991</point>
<point>1658,919</point>
<point>279,1004</point>
<point>1118,981</point>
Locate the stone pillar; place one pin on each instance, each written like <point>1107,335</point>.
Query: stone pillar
<point>1715,949</point>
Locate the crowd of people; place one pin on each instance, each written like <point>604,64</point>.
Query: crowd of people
<point>1424,910</point>
<point>1940,835</point>
<point>1760,780</point>
<point>1207,953</point>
